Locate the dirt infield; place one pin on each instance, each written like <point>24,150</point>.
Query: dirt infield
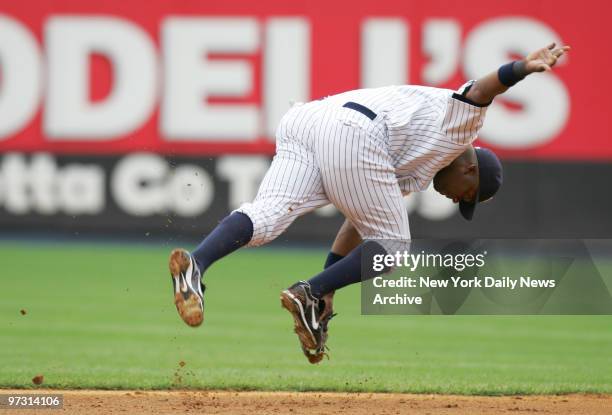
<point>236,403</point>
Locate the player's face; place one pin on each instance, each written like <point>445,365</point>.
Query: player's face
<point>458,181</point>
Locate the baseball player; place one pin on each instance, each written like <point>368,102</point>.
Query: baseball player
<point>361,150</point>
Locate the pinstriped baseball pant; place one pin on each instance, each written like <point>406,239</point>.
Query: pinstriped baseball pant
<point>326,153</point>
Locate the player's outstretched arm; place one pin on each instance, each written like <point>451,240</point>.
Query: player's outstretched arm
<point>485,89</point>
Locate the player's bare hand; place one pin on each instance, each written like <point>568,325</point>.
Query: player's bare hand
<point>544,59</point>
<point>329,306</point>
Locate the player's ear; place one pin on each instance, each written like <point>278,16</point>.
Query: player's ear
<point>471,169</point>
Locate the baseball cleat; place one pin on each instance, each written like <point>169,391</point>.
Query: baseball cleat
<point>306,311</point>
<point>188,287</point>
<point>315,356</point>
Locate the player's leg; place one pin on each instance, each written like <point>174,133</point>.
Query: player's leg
<point>346,240</point>
<point>291,187</point>
<point>187,268</point>
<point>359,179</point>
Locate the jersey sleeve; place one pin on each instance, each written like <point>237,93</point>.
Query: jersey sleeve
<point>463,118</point>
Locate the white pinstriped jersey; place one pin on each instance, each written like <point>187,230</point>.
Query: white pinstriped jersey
<point>327,153</point>
<point>427,127</point>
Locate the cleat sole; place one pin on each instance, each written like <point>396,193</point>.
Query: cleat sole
<point>188,304</point>
<point>289,303</point>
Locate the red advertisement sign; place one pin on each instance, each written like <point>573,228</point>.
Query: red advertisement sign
<point>204,78</point>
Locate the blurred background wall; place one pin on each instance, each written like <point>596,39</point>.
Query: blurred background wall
<point>155,118</point>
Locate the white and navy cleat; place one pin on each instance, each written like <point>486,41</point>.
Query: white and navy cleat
<point>304,308</point>
<point>311,317</point>
<point>188,287</point>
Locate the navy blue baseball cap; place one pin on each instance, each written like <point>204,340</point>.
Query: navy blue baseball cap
<point>491,178</point>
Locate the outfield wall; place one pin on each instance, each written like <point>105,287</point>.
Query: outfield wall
<point>147,195</point>
<point>158,117</point>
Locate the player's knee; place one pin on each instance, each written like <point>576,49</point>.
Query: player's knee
<point>268,222</point>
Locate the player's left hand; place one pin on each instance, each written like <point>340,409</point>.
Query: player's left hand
<point>544,59</point>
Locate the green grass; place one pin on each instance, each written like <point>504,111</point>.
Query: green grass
<point>101,316</point>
